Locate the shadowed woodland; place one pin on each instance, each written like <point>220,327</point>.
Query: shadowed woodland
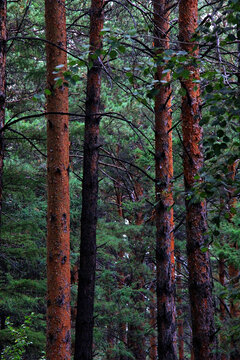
<point>119,180</point>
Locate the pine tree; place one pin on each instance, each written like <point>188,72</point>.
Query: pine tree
<point>58,217</point>
<point>166,311</point>
<point>200,281</point>
<point>86,286</point>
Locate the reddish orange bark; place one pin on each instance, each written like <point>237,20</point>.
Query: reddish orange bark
<point>166,311</point>
<point>3,37</point>
<point>58,217</point>
<point>86,287</point>
<point>200,281</point>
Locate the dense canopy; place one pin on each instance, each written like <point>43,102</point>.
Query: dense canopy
<point>149,92</point>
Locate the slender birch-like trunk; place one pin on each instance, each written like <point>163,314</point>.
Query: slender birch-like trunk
<point>166,311</point>
<point>86,287</point>
<point>200,279</point>
<point>58,217</point>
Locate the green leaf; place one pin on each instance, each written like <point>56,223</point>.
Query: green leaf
<point>209,88</point>
<point>113,54</point>
<point>47,92</point>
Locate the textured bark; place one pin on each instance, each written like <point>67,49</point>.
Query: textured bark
<point>85,319</point>
<point>200,280</point>
<point>166,311</point>
<point>3,37</point>
<point>58,217</point>
<point>179,314</point>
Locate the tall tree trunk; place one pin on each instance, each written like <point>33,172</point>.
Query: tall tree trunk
<point>58,217</point>
<point>166,311</point>
<point>180,313</point>
<point>200,280</point>
<point>221,272</point>
<point>85,320</point>
<point>233,269</point>
<point>3,37</point>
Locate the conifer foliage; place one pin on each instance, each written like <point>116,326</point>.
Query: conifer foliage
<point>3,38</point>
<point>150,94</point>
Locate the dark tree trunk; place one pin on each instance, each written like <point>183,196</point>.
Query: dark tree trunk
<point>233,270</point>
<point>166,311</point>
<point>221,272</point>
<point>180,313</point>
<point>200,279</point>
<point>58,217</point>
<point>3,37</point>
<point>153,337</point>
<point>85,305</point>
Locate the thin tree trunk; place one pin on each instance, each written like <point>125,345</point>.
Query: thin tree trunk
<point>3,37</point>
<point>192,354</point>
<point>233,271</point>
<point>110,343</point>
<point>121,281</point>
<point>179,314</point>
<point>166,311</point>
<point>136,339</point>
<point>86,287</point>
<point>153,338</point>
<point>58,217</point>
<point>221,271</point>
<point>200,280</point>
